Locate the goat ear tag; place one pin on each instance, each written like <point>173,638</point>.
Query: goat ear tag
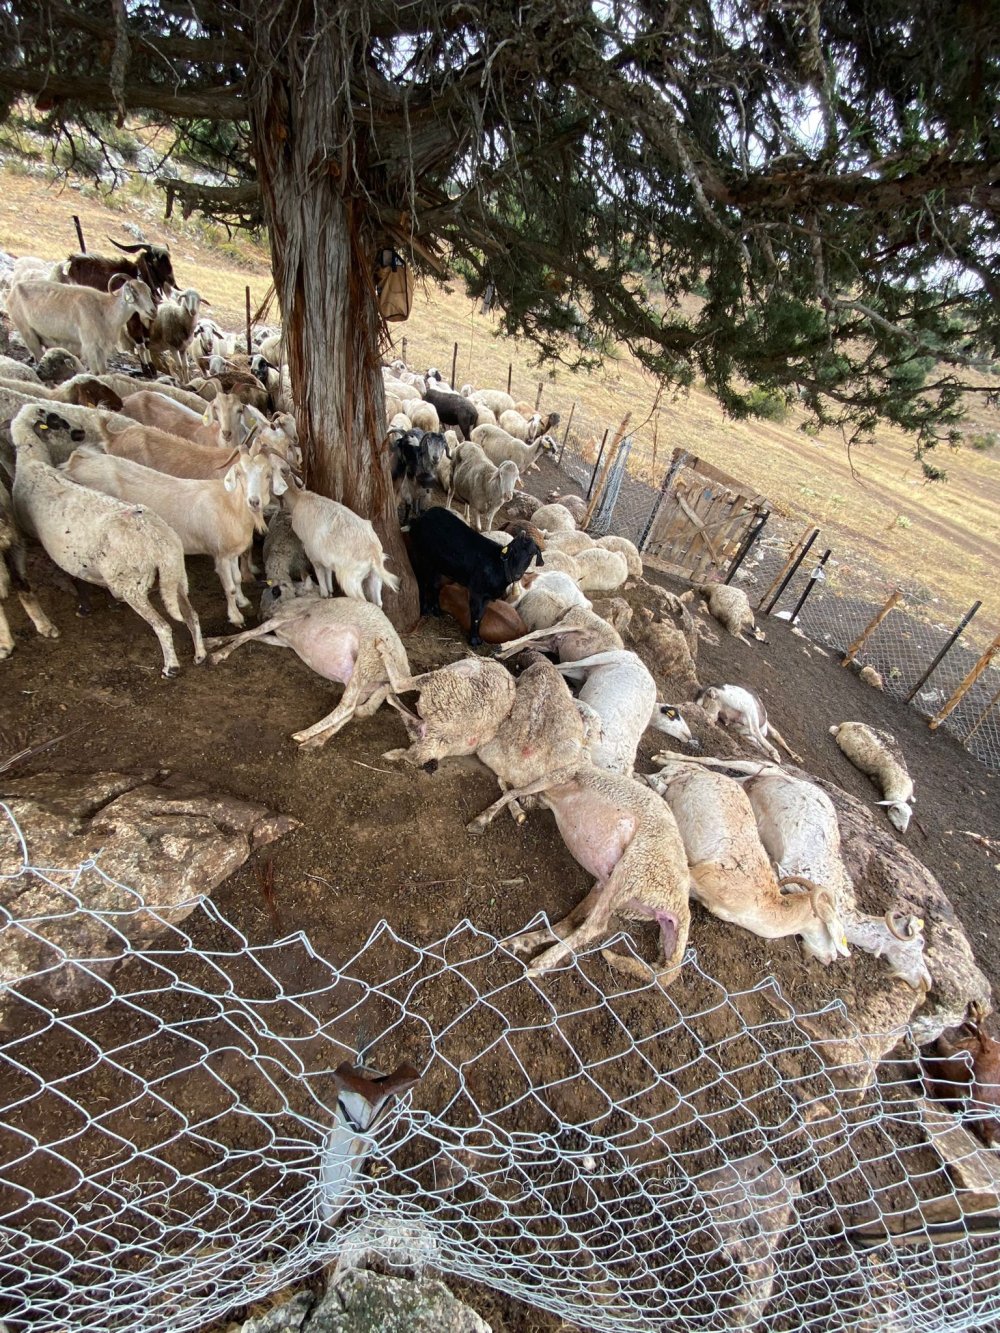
<point>206,416</point>
<point>504,550</point>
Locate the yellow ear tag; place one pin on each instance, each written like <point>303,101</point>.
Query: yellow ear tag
<point>504,550</point>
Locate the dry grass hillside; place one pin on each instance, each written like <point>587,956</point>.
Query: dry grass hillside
<point>874,508</point>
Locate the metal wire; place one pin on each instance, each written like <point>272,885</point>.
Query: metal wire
<point>168,1119</point>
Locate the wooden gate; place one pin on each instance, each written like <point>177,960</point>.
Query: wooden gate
<point>700,520</point>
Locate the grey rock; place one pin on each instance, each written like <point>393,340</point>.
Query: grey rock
<point>365,1302</point>
<point>160,841</point>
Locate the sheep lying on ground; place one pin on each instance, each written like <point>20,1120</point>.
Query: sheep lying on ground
<point>626,548</point>
<point>877,754</point>
<point>730,607</point>
<point>624,835</point>
<point>553,518</point>
<point>798,826</point>
<point>576,505</point>
<point>286,565</point>
<point>572,542</point>
<point>521,505</point>
<point>122,547</point>
<point>743,711</point>
<point>460,707</point>
<point>731,874</point>
<point>668,650</point>
<point>601,571</point>
<point>621,693</point>
<point>341,639</point>
<point>548,598</point>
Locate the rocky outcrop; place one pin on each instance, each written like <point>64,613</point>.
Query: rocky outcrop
<point>94,864</point>
<point>364,1302</point>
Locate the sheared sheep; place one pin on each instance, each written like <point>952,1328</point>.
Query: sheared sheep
<point>601,571</point>
<point>623,834</point>
<point>548,598</point>
<point>341,639</point>
<point>122,547</point>
<point>730,871</point>
<point>669,652</point>
<point>877,754</point>
<point>499,447</point>
<point>482,486</point>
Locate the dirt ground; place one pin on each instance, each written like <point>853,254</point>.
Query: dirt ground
<point>382,842</point>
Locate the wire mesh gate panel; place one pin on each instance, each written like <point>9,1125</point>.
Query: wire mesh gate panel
<point>169,1137</point>
<point>701,518</point>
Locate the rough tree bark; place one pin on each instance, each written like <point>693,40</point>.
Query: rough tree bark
<point>312,166</point>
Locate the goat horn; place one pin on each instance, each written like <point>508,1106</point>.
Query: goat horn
<point>376,1090</point>
<point>821,898</point>
<point>129,249</point>
<point>903,926</point>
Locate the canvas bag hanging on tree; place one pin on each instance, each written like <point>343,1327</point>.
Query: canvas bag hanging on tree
<point>393,285</point>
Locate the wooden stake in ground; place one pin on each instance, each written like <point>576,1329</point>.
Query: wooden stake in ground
<point>454,365</point>
<point>249,325</point>
<point>612,455</point>
<point>565,437</point>
<point>79,234</point>
<point>966,684</point>
<point>786,566</point>
<point>510,374</point>
<point>538,395</point>
<point>870,628</point>
<point>402,351</point>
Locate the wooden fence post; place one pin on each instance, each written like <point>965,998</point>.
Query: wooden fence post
<point>402,351</point>
<point>785,567</point>
<point>510,372</point>
<point>454,364</point>
<point>566,433</point>
<point>966,684</point>
<point>870,629</point>
<point>538,395</point>
<point>981,718</point>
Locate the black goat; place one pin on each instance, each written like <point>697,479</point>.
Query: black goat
<point>441,545</point>
<point>415,456</point>
<point>454,410</point>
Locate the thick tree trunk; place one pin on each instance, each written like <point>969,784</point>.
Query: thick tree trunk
<point>312,170</point>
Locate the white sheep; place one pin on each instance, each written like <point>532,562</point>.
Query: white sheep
<point>554,518</point>
<point>400,421</point>
<point>495,399</point>
<point>340,544</point>
<point>500,447</point>
<point>17,370</point>
<point>877,754</point>
<point>730,607</point>
<point>483,487</point>
<point>576,505</point>
<point>484,417</point>
<point>626,548</point>
<point>570,541</point>
<point>514,424</point>
<point>601,572</point>
<point>622,693</point>
<point>424,417</point>
<point>460,707</point>
<point>578,633</point>
<point>730,870</point>
<point>85,322</point>
<point>557,561</point>
<point>122,547</point>
<point>211,517</point>
<point>548,598</point>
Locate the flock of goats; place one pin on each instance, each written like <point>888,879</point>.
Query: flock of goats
<point>119,479</point>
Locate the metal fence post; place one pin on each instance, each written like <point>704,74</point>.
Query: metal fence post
<point>791,571</point>
<point>600,455</point>
<point>566,434</point>
<point>815,577</point>
<point>947,648</point>
<point>745,545</point>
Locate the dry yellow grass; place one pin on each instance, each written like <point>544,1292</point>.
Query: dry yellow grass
<point>944,536</point>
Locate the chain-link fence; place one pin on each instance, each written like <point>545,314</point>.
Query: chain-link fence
<point>176,1140</point>
<point>838,608</point>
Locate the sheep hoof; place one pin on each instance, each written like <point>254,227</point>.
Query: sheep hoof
<point>170,672</point>
<point>50,633</point>
<point>475,826</point>
<point>199,660</point>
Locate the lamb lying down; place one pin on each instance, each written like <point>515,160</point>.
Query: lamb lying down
<point>340,638</point>
<point>624,835</point>
<point>461,705</point>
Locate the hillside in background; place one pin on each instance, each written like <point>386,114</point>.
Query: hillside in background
<point>939,541</point>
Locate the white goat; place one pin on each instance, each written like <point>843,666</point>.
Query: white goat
<point>87,323</point>
<point>215,518</point>
<point>743,711</point>
<point>621,692</point>
<point>341,545</point>
<point>172,332</point>
<point>877,754</point>
<point>98,539</point>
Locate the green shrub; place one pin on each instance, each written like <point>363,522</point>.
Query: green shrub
<point>985,440</point>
